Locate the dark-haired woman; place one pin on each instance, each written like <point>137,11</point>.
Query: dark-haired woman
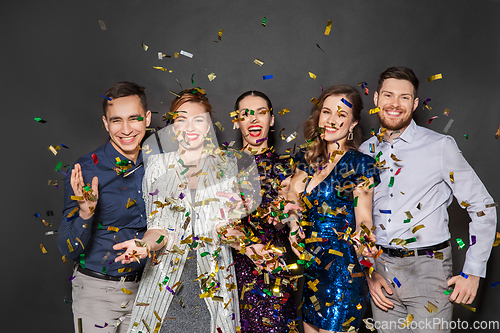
<point>266,303</point>
<point>335,183</point>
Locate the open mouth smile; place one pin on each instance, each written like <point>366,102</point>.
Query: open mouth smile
<point>255,130</point>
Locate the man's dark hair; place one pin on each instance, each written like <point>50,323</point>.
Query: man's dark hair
<point>399,73</point>
<point>124,89</point>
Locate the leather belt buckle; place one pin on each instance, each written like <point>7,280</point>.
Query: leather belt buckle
<point>396,252</point>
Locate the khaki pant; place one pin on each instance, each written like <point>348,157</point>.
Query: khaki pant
<point>423,280</point>
<point>100,302</point>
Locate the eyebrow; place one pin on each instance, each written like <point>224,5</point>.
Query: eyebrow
<point>390,92</point>
<point>119,118</point>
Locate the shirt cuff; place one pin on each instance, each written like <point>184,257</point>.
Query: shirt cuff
<point>474,268</point>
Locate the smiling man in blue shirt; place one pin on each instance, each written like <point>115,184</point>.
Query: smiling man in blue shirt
<point>421,171</point>
<point>103,205</point>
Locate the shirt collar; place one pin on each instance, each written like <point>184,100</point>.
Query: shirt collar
<point>407,134</point>
<point>112,154</point>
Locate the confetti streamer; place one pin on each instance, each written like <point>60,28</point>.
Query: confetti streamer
<point>211,76</point>
<point>102,25</point>
<point>284,111</point>
<point>468,307</point>
<point>312,75</point>
<point>417,228</point>
<point>267,77</point>
<point>40,120</point>
<point>434,77</point>
<point>346,102</point>
<point>264,21</point>
<point>431,119</point>
<point>448,125</point>
<point>258,62</point>
<point>319,47</point>
<point>328,27</point>
<point>315,101</point>
<point>192,80</point>
<point>186,54</point>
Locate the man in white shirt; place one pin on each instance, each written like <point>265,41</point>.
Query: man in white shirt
<point>421,171</point>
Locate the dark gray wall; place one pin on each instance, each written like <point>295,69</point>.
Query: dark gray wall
<point>55,61</point>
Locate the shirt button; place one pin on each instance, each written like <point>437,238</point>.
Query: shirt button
<point>392,194</point>
<point>392,147</point>
<point>141,215</point>
<point>391,169</point>
<point>389,220</point>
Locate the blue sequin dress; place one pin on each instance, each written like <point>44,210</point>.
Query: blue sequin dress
<point>341,298</point>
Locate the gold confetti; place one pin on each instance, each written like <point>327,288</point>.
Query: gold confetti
<point>220,35</point>
<point>337,253</point>
<point>212,76</point>
<point>497,133</point>
<point>431,307</point>
<point>315,101</point>
<point>219,125</point>
<point>481,213</point>
<point>312,75</point>
<point>491,205</point>
<point>258,62</point>
<point>497,240</point>
<point>54,149</point>
<point>417,228</point>
<point>130,203</point>
<point>435,77</point>
<point>284,111</point>
<point>52,183</point>
<point>464,204</point>
<point>328,27</point>
<point>126,291</point>
<point>469,307</point>
<point>395,158</point>
<point>42,248</point>
<point>160,68</point>
<point>144,46</point>
<point>408,320</point>
<point>408,215</point>
<point>347,174</point>
<point>452,177</point>
<point>72,212</point>
<point>372,111</point>
<point>446,112</point>
<point>102,25</point>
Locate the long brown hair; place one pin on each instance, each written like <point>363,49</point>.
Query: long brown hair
<point>318,153</point>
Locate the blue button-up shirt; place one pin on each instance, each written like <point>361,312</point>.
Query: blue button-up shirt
<point>92,240</point>
<point>416,188</point>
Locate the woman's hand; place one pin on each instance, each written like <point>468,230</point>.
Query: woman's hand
<point>256,251</point>
<point>296,234</point>
<point>368,251</point>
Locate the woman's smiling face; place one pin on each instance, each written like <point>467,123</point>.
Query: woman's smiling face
<point>193,123</point>
<point>255,120</point>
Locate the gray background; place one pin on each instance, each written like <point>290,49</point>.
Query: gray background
<point>56,60</point>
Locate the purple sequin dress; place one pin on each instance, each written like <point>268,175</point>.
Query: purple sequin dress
<point>260,310</point>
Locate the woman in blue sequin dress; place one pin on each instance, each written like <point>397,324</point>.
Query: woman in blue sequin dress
<point>334,182</point>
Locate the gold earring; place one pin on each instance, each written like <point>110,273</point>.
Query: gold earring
<point>350,136</point>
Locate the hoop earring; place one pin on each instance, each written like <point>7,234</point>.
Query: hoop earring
<point>350,136</point>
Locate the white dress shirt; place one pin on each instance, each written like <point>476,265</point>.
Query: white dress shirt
<point>421,191</point>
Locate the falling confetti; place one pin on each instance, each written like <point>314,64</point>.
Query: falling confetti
<point>434,77</point>
<point>328,27</point>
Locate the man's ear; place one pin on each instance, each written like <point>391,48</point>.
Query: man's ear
<point>105,121</point>
<point>375,98</point>
<point>148,118</point>
<point>415,104</point>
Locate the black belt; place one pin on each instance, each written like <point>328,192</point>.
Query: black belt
<point>131,277</point>
<point>401,253</point>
